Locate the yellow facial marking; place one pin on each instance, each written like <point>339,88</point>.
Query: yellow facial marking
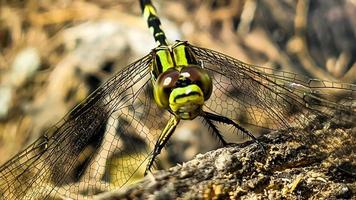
<point>189,95</point>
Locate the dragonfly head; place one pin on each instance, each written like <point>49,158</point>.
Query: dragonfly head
<point>183,90</point>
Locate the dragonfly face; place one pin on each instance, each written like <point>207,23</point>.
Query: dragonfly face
<point>180,83</point>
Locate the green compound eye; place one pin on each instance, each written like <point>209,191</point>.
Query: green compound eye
<point>200,77</point>
<point>164,85</point>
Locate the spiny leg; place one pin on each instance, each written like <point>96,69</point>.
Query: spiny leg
<point>162,140</point>
<point>216,131</point>
<point>226,120</point>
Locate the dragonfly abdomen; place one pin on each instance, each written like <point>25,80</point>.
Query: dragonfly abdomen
<point>149,12</point>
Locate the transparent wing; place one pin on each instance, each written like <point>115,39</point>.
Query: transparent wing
<point>262,99</point>
<point>98,146</point>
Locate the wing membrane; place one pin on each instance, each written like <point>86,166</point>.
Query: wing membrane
<point>263,99</point>
<point>104,142</point>
<point>97,146</point>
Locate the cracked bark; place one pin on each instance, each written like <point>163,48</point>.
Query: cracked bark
<point>288,169</point>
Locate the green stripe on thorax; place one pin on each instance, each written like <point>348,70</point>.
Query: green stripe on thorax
<point>176,56</point>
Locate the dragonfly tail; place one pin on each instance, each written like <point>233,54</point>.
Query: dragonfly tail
<point>150,15</point>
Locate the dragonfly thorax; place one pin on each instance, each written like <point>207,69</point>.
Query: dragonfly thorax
<point>180,84</point>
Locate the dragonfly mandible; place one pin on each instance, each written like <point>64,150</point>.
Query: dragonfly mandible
<point>134,114</point>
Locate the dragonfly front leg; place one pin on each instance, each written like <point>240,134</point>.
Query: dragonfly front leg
<point>162,140</point>
<point>218,118</point>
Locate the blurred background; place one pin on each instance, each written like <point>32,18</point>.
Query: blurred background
<point>53,53</point>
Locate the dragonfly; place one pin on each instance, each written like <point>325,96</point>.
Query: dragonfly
<point>119,130</point>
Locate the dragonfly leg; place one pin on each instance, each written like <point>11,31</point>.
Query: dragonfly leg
<point>162,141</point>
<point>216,131</point>
<point>218,118</point>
